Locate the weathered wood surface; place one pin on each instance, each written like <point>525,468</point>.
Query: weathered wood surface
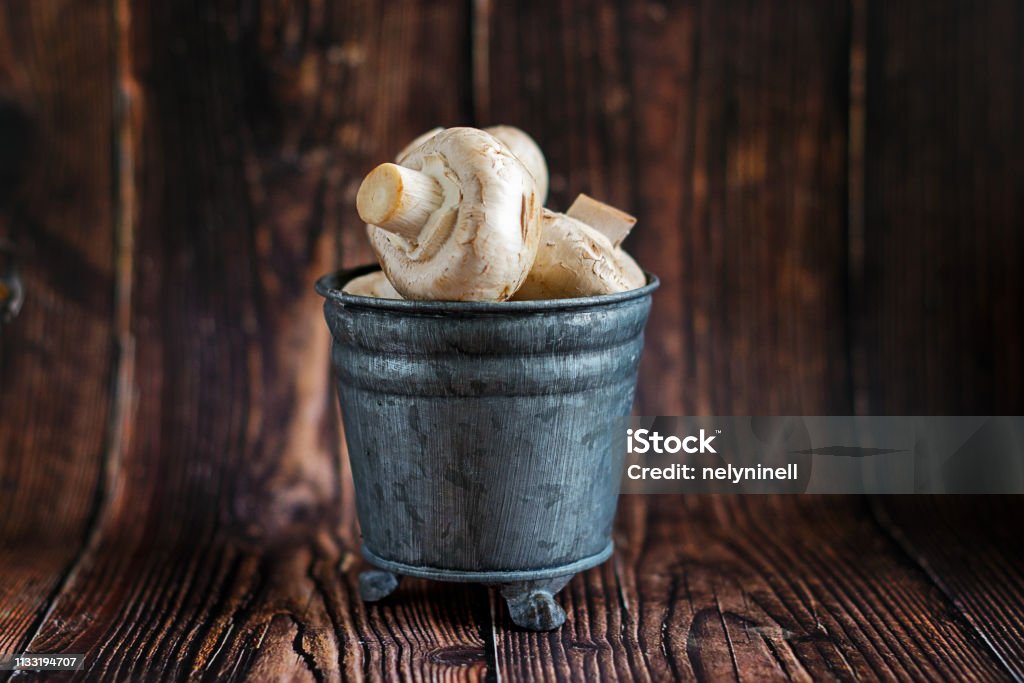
<point>170,447</point>
<point>942,249</point>
<point>221,533</point>
<point>766,588</point>
<point>743,216</point>
<point>970,550</point>
<point>56,203</point>
<point>942,244</point>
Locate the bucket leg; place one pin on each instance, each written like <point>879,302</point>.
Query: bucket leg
<point>532,603</point>
<point>375,584</point>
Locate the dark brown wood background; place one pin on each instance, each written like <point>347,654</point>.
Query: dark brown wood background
<point>831,193</point>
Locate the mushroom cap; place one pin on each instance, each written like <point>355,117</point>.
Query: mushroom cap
<point>575,260</point>
<point>634,275</point>
<point>517,140</point>
<point>480,243</point>
<point>373,284</point>
<point>528,151</point>
<point>420,139</point>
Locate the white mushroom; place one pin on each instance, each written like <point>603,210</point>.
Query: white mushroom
<point>417,142</point>
<point>373,284</point>
<point>521,145</point>
<point>528,151</point>
<point>576,259</point>
<point>458,220</point>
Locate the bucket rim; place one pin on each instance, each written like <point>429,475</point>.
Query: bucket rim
<point>329,286</point>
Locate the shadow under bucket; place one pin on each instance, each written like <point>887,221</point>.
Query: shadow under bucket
<point>480,435</point>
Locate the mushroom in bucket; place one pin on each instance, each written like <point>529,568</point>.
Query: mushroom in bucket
<point>481,370</point>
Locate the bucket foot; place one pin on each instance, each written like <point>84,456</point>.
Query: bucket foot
<point>375,584</point>
<point>532,603</point>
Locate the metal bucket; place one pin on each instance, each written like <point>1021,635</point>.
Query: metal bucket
<point>480,435</point>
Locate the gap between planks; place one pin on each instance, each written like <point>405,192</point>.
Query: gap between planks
<point>891,530</point>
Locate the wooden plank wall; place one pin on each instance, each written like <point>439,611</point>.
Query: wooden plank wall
<point>56,360</point>
<point>943,244</point>
<point>829,192</point>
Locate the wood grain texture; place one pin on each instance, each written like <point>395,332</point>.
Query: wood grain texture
<point>944,169</point>
<point>57,206</point>
<point>942,283</point>
<point>723,126</point>
<point>765,263</point>
<point>968,549</point>
<point>769,588</point>
<point>222,535</point>
<point>828,191</point>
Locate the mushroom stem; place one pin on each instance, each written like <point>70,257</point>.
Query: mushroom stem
<point>607,220</point>
<point>398,199</point>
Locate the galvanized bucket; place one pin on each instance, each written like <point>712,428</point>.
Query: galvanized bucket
<point>480,435</point>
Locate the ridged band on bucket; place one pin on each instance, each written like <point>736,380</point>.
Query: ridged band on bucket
<point>455,576</point>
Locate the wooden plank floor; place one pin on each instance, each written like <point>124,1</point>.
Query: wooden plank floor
<point>829,192</point>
